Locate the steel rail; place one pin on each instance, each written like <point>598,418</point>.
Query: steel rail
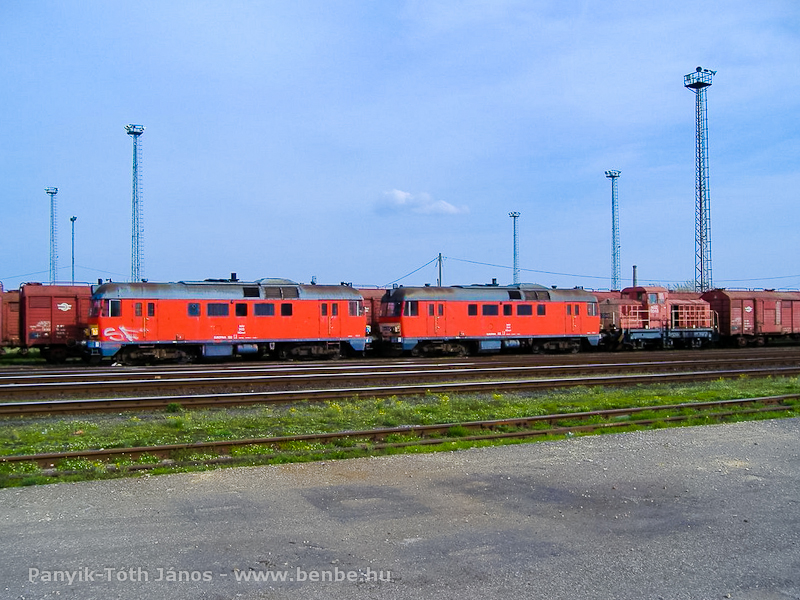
<point>28,389</point>
<point>363,438</point>
<point>226,399</point>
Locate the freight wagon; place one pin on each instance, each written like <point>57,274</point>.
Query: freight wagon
<point>51,318</point>
<point>755,317</point>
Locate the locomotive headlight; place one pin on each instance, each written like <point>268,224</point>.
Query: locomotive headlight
<point>94,331</point>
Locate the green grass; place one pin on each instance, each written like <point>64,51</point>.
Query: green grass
<point>179,425</point>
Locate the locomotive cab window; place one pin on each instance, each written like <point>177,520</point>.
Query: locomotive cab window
<point>355,308</point>
<point>411,308</point>
<point>591,309</point>
<point>112,308</point>
<point>264,309</point>
<point>390,309</point>
<point>216,309</point>
<point>193,310</point>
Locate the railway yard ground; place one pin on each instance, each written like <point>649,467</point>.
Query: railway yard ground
<point>142,509</point>
<point>680,513</point>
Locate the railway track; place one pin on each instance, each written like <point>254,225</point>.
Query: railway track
<point>375,439</point>
<point>83,383</point>
<point>483,385</point>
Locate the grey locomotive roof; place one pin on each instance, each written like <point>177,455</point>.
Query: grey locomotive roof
<point>268,289</point>
<point>492,293</point>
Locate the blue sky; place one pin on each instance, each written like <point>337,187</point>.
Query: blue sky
<point>356,140</point>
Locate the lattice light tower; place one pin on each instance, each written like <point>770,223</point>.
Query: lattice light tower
<point>52,191</point>
<point>616,275</point>
<point>698,82</point>
<point>515,215</point>
<point>137,218</point>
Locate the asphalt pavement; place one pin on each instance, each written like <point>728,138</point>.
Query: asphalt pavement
<point>700,512</point>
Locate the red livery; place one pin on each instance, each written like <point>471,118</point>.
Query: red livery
<point>134,322</point>
<point>487,318</point>
<point>654,317</point>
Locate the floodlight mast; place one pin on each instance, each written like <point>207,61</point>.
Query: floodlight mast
<point>52,191</point>
<point>616,276</point>
<point>515,215</point>
<point>72,220</point>
<point>137,210</point>
<point>698,81</point>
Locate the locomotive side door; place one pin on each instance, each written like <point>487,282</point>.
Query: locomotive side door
<point>329,324</point>
<point>435,319</point>
<point>572,318</point>
<point>145,314</point>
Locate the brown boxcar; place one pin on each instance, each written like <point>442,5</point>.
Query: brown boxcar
<point>54,319</point>
<point>755,317</point>
<point>9,319</point>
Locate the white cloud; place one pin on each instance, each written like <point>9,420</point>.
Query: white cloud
<point>398,201</point>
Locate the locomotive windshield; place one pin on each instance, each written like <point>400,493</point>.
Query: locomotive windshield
<point>391,309</point>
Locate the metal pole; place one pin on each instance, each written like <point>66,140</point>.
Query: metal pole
<point>515,215</point>
<point>52,191</point>
<point>72,220</point>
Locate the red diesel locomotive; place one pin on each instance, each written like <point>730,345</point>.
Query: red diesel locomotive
<point>136,322</point>
<point>653,317</point>
<point>471,319</point>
